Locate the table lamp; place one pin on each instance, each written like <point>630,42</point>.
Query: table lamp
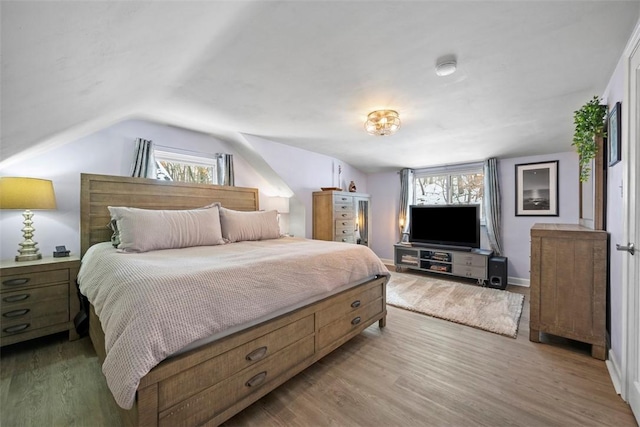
<point>27,193</point>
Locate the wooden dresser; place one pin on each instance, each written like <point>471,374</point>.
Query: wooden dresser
<point>568,284</point>
<point>341,216</point>
<point>38,298</point>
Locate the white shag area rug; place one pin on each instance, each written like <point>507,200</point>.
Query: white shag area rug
<point>489,309</point>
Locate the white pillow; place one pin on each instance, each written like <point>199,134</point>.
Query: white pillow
<point>142,230</point>
<point>238,226</point>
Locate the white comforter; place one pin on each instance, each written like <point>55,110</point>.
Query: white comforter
<point>151,305</point>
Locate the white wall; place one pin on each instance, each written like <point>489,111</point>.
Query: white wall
<point>614,224</point>
<point>516,229</point>
<point>108,152</point>
<point>305,172</point>
<point>384,188</point>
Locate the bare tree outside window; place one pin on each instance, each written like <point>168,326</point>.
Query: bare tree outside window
<point>175,171</point>
<point>450,189</point>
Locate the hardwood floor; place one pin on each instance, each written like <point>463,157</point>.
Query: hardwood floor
<point>418,371</point>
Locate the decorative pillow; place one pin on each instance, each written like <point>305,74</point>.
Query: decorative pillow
<point>142,230</point>
<point>238,226</point>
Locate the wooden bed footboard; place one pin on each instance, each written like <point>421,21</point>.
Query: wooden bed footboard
<point>212,383</point>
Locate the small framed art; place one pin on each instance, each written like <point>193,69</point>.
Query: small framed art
<point>614,137</point>
<point>537,189</point>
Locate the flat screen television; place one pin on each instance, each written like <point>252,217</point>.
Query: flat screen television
<point>456,226</point>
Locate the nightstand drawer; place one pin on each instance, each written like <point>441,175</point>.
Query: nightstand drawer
<point>38,315</point>
<point>18,281</point>
<point>10,300</point>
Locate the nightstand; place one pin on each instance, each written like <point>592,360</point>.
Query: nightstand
<point>38,298</point>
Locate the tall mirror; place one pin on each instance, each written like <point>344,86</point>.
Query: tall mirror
<point>362,206</point>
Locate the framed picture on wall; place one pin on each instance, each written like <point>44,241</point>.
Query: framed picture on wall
<point>614,137</point>
<point>537,189</point>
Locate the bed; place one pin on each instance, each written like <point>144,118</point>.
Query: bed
<point>212,379</point>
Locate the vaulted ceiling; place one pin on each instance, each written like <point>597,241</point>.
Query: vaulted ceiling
<point>306,73</point>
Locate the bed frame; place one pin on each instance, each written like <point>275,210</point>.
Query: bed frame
<point>212,383</point>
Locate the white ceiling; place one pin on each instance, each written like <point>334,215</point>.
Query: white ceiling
<point>306,73</point>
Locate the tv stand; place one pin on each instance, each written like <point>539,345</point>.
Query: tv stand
<point>472,264</point>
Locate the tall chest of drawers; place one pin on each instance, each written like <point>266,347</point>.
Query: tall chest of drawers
<point>569,284</point>
<point>337,216</point>
<point>37,298</point>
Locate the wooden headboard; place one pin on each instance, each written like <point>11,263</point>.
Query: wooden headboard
<point>99,191</point>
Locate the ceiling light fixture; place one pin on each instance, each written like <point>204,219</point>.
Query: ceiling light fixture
<point>382,122</point>
<point>446,68</point>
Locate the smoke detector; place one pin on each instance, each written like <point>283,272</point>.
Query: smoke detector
<point>446,68</point>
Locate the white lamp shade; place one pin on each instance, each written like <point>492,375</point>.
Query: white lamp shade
<point>280,204</point>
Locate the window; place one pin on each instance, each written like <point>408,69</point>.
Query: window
<point>185,168</point>
<point>456,186</point>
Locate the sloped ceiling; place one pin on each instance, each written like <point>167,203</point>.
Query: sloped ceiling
<point>306,73</point>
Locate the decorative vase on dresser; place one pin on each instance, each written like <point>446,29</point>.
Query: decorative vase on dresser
<point>341,216</point>
<point>569,284</point>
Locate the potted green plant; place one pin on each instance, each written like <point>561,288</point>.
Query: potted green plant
<point>589,122</point>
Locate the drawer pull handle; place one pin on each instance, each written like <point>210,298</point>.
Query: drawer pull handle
<point>355,304</point>
<point>14,298</point>
<point>17,328</point>
<point>344,215</point>
<point>16,313</point>
<point>344,223</point>
<point>345,207</point>
<point>16,282</point>
<point>344,240</point>
<point>344,231</point>
<point>344,199</point>
<point>257,380</point>
<point>257,354</point>
<point>356,320</point>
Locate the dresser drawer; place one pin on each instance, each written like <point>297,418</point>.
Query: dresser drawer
<point>339,199</point>
<point>344,215</point>
<point>345,324</point>
<point>344,239</point>
<point>344,231</point>
<point>20,281</point>
<point>350,302</point>
<point>199,408</point>
<point>345,223</point>
<point>16,320</point>
<point>175,389</point>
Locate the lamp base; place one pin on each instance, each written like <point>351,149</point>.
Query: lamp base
<point>28,250</point>
<point>28,257</point>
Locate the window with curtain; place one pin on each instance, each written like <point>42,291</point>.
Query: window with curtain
<point>454,185</point>
<point>181,167</point>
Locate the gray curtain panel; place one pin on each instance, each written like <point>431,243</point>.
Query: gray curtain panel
<point>225,169</point>
<point>144,163</point>
<point>493,215</point>
<point>406,199</point>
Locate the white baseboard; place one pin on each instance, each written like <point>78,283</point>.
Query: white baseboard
<point>387,261</point>
<point>518,281</point>
<point>614,372</point>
